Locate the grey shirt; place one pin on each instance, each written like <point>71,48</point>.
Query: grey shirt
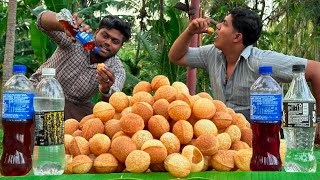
<point>235,91</point>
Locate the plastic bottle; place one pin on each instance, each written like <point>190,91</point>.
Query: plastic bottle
<point>49,153</point>
<point>87,40</point>
<point>17,123</point>
<point>265,115</point>
<point>299,124</point>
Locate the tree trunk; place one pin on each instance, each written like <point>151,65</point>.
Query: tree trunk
<point>9,48</point>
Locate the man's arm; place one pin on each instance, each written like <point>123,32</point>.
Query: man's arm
<point>313,75</point>
<point>49,22</point>
<point>179,49</point>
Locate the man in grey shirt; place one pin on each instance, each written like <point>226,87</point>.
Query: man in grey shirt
<point>233,63</point>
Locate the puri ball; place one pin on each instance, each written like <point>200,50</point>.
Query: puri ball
<point>165,92</point>
<point>78,146</point>
<point>223,160</point>
<point>92,127</point>
<point>67,142</point>
<point>77,133</point>
<point>100,66</point>
<point>171,142</point>
<point>205,95</point>
<point>99,143</point>
<point>122,146</point>
<point>81,164</point>
<point>85,119</point>
<point>239,145</point>
<point>158,125</point>
<point>68,165</point>
<point>160,107</point>
<point>220,106</point>
<point>234,133</point>
<point>137,161</point>
<point>158,81</point>
<point>70,126</point>
<point>180,87</point>
<point>224,141</point>
<point>204,126</point>
<point>111,127</point>
<point>186,98</point>
<point>142,86</point>
<point>144,110</point>
<point>242,159</point>
<point>203,108</point>
<point>142,97</point>
<point>131,123</point>
<point>246,136</point>
<point>105,163</point>
<point>141,137</point>
<point>126,111</point>
<point>179,110</point>
<point>104,111</point>
<point>207,144</point>
<point>194,156</point>
<point>156,150</point>
<point>239,120</point>
<point>222,120</point>
<point>119,101</point>
<point>183,130</point>
<point>177,165</point>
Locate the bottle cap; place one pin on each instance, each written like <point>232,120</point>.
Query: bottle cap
<point>49,71</point>
<point>96,50</point>
<point>265,69</point>
<point>298,68</point>
<point>19,69</point>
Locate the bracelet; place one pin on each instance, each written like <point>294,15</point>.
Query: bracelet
<point>108,94</point>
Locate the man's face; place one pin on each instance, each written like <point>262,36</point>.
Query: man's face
<point>225,34</point>
<point>109,41</point>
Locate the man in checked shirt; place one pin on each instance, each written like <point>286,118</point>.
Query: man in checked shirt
<point>76,68</point>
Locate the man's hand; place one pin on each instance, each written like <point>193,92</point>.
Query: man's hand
<point>106,79</point>
<point>79,26</point>
<point>198,26</point>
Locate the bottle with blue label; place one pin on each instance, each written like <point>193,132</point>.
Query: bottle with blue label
<point>17,123</point>
<point>265,120</point>
<point>87,40</point>
<point>299,124</point>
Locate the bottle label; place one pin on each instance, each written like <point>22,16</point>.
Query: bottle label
<point>17,105</point>
<point>49,128</point>
<point>299,114</point>
<point>265,107</point>
<point>83,37</point>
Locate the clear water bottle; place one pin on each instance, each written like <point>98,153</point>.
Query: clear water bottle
<point>265,120</point>
<point>49,153</point>
<point>17,123</point>
<point>299,124</point>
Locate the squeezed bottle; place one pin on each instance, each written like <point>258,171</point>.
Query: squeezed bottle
<point>299,124</point>
<point>265,120</point>
<point>87,40</point>
<point>49,153</point>
<point>17,123</point>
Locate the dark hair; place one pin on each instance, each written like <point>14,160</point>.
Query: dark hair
<point>248,23</point>
<point>114,22</point>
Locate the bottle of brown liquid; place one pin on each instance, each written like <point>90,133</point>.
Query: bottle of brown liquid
<point>87,40</point>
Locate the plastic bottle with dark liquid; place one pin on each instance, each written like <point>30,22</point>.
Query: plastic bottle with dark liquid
<point>17,123</point>
<point>87,40</point>
<point>265,120</point>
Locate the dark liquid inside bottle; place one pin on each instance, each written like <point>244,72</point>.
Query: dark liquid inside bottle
<point>17,147</point>
<point>88,45</point>
<point>266,145</point>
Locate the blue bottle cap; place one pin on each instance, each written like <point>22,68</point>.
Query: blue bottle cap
<point>19,69</point>
<point>265,69</point>
<point>96,50</point>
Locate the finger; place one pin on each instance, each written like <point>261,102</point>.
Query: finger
<point>110,74</point>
